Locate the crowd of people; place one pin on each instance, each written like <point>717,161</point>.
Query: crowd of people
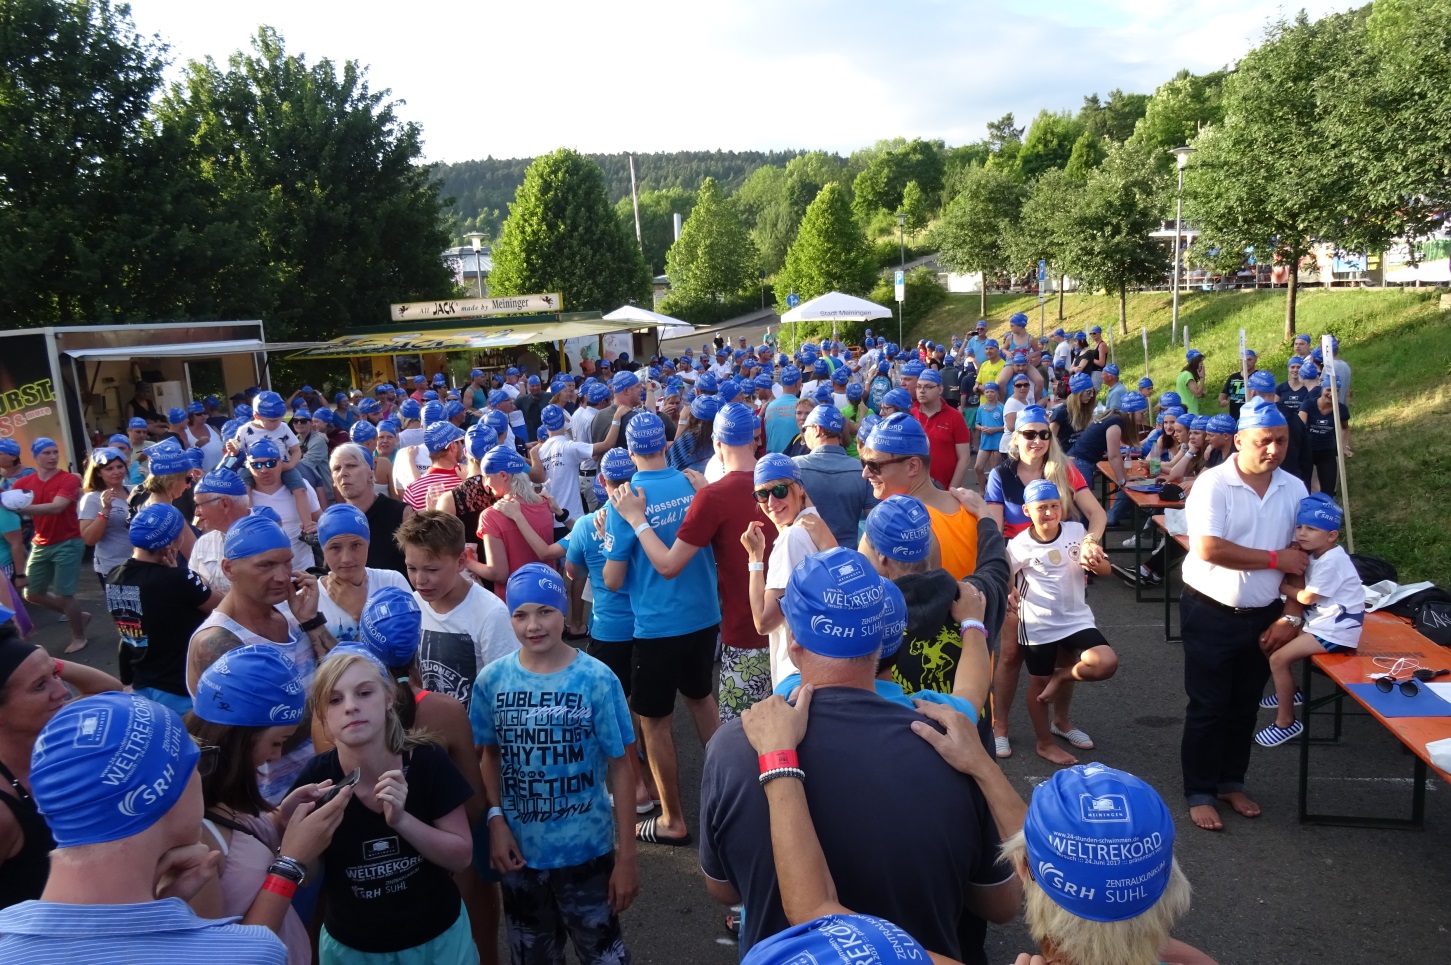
<point>397,676</point>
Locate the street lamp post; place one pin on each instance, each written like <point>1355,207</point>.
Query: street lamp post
<point>902,255</point>
<point>476,239</point>
<point>1181,158</point>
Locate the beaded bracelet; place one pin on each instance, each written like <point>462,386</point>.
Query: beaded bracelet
<point>769,776</point>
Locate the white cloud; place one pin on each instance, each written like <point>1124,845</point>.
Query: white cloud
<point>513,80</point>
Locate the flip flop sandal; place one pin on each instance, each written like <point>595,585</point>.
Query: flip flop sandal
<point>1273,736</point>
<point>734,917</point>
<point>645,831</point>
<point>1075,737</point>
<point>1002,748</point>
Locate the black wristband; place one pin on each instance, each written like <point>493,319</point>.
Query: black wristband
<point>312,624</point>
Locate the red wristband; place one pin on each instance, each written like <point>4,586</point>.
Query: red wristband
<point>59,666</point>
<point>279,885</point>
<point>778,759</point>
<point>1274,560</point>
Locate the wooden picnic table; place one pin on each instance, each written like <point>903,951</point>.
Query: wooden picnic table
<point>1383,635</point>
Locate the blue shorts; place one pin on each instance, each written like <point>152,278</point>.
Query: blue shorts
<point>1333,647</point>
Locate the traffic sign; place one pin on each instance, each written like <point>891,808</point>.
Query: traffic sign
<point>1042,271</point>
<point>900,280</point>
<point>792,300</point>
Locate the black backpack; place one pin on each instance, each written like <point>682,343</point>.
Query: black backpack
<point>1373,569</point>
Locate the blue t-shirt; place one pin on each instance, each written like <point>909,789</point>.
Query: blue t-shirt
<point>990,416</point>
<point>556,734</point>
<point>664,608</point>
<point>611,618</point>
<point>891,690</point>
<point>780,421</point>
<point>9,523</point>
<point>1114,398</point>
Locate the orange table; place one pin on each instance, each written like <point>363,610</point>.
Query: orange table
<point>1383,636</point>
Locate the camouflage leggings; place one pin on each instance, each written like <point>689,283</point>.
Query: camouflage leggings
<point>542,907</point>
<point>745,678</point>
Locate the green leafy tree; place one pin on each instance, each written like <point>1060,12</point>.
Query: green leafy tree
<point>562,236</point>
<point>1049,143</point>
<point>714,259</point>
<point>881,185</point>
<point>324,178</point>
<point>83,185</point>
<point>1037,234</point>
<point>830,252</point>
<point>971,234</point>
<point>1104,236</point>
<point>1114,118</point>
<point>1263,176</point>
<point>657,221</point>
<point>1088,153</point>
<point>914,206</point>
<point>1177,111</point>
<point>774,203</point>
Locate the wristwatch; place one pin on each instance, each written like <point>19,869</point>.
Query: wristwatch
<point>307,626</point>
<point>1296,622</point>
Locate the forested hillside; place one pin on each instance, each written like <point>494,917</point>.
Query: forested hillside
<point>483,189</point>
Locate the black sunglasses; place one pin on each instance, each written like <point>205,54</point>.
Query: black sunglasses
<point>207,763</point>
<point>1411,686</point>
<point>1041,434</point>
<point>779,491</point>
<point>874,466</point>
<point>264,463</point>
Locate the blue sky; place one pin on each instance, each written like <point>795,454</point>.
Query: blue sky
<point>519,79</point>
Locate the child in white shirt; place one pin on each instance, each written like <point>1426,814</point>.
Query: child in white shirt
<point>1056,628</point>
<point>1334,599</point>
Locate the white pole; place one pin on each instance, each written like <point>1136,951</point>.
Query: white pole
<point>1145,333</point>
<point>635,200</point>
<point>1243,365</point>
<point>1327,351</point>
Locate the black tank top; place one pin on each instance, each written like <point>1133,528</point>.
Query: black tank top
<point>24,875</point>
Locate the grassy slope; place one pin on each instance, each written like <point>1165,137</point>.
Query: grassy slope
<point>1396,342</point>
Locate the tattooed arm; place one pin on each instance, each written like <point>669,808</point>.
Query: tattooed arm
<point>206,647</point>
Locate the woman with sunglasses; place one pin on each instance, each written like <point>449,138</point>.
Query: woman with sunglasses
<point>1033,453</point>
<point>247,704</point>
<point>1076,414</point>
<point>102,510</point>
<point>33,686</point>
<point>781,497</point>
<point>168,482</point>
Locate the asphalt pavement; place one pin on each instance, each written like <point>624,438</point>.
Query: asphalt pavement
<point>1265,890</point>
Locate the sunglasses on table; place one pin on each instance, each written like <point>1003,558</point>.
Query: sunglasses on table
<point>874,466</point>
<point>1042,435</point>
<point>1411,686</point>
<point>780,490</point>
<point>264,463</point>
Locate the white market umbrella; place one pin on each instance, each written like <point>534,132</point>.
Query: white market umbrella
<point>836,307</point>
<point>669,327</point>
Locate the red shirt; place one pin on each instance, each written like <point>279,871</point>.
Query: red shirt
<point>945,432</point>
<point>51,530</point>
<point>716,518</point>
<point>493,522</point>
<point>420,492</point>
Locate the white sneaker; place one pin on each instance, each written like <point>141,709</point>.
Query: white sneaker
<point>1131,542</point>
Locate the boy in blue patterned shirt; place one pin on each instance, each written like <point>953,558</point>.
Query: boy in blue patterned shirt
<point>555,731</point>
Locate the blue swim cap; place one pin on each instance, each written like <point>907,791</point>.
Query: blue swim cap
<point>854,392</point>
<point>1080,382</point>
<point>156,526</point>
<point>223,482</point>
<point>730,390</point>
<point>1146,384</point>
<point>255,685</point>
<point>497,421</point>
<point>833,604</point>
<point>391,626</point>
<point>827,417</point>
<point>1032,415</point>
<point>1260,414</point>
<point>552,417</point>
<point>1320,511</point>
<point>894,619</point>
<point>616,465</point>
<point>369,407</point>
<point>734,425</point>
<point>504,458</point>
<point>105,454</point>
<point>1261,381</point>
<point>645,435</point>
<point>1221,424</point>
<point>41,444</point>
<point>1133,402</point>
<point>899,434</point>
<point>108,767</point>
<point>452,409</point>
<point>623,381</point>
<point>773,466</point>
<point>363,432</point>
<point>430,413</point>
<point>703,408</point>
<point>900,529</point>
<point>175,416</point>
<point>135,423</point>
<point>790,375</point>
<point>931,377</point>
<point>341,519</point>
<point>899,398</point>
<point>1040,490</point>
<point>167,460</point>
<point>912,369</point>
<point>1100,842</point>
<point>252,535</point>
<point>409,409</point>
<point>1170,399</point>
<point>538,584</point>
<point>440,435</point>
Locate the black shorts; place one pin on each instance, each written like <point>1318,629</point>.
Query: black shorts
<point>619,657</point>
<point>663,666</point>
<point>1042,659</point>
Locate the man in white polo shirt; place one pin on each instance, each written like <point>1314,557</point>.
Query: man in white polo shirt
<point>1241,519</point>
